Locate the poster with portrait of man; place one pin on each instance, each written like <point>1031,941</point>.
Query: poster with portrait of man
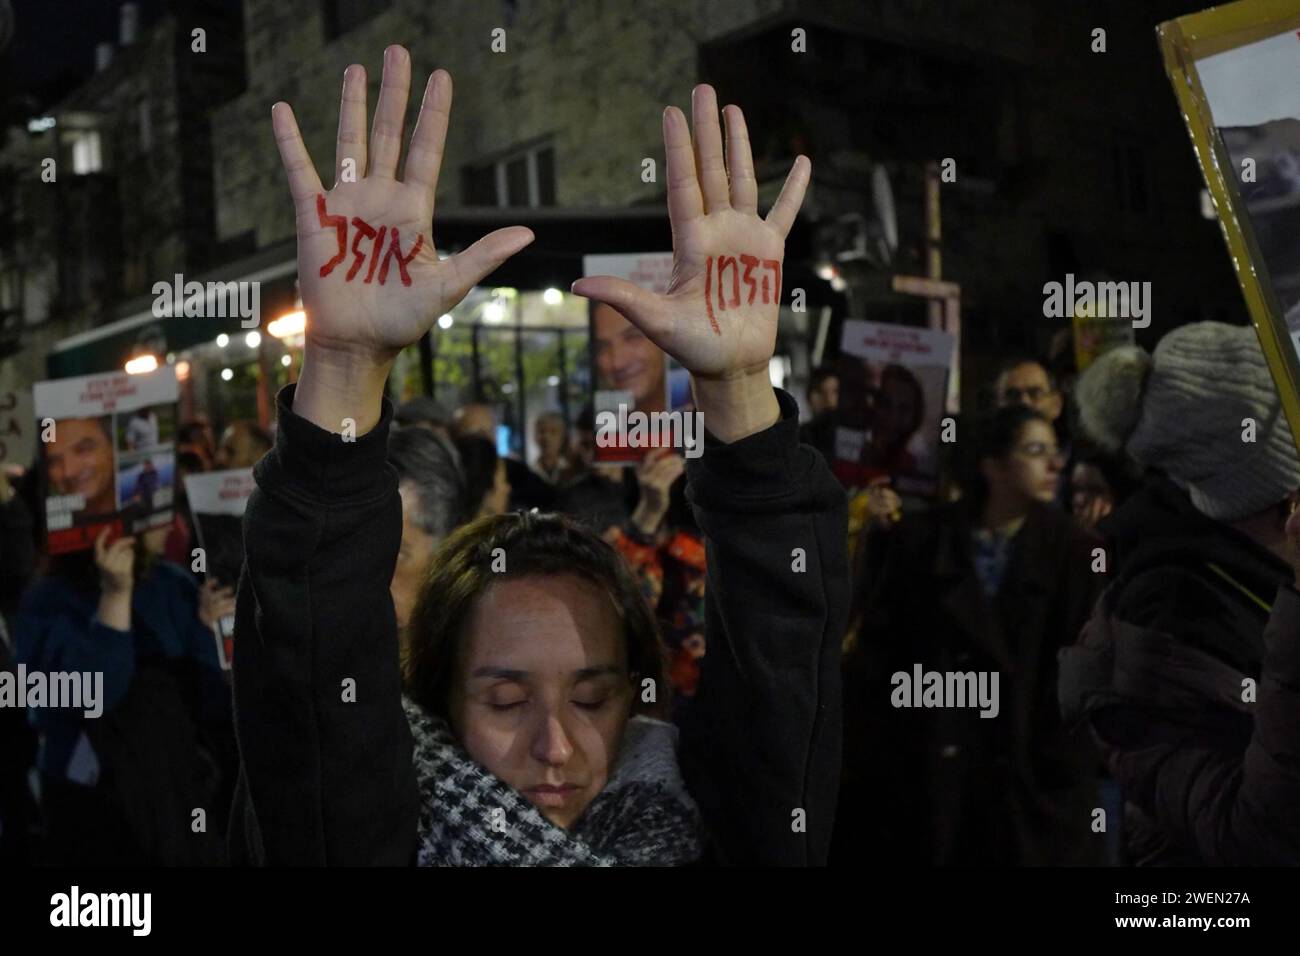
<point>630,372</point>
<point>104,471</point>
<point>1236,74</point>
<point>217,500</point>
<point>893,385</point>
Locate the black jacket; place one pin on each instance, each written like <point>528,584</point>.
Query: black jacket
<point>946,786</point>
<point>1198,608</point>
<point>328,782</point>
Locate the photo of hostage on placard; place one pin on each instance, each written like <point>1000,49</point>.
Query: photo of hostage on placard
<point>631,373</point>
<point>893,382</point>
<point>145,484</point>
<point>146,427</point>
<point>79,460</point>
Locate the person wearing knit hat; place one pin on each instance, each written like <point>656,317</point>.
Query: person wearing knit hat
<point>1184,409</point>
<point>1191,658</point>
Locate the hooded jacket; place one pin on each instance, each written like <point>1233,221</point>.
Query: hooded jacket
<point>1188,673</point>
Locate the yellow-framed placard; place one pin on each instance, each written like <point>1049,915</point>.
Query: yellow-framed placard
<point>1235,70</point>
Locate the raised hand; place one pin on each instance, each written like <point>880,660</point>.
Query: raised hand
<point>370,276</point>
<point>719,315</point>
<point>116,563</point>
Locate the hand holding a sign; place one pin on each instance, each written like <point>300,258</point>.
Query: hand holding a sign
<point>215,602</point>
<point>719,315</point>
<point>370,276</point>
<point>116,563</point>
<point>655,476</point>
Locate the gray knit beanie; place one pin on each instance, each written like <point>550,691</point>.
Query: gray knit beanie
<point>1182,410</point>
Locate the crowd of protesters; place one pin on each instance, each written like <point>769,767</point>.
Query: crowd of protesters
<point>445,655</point>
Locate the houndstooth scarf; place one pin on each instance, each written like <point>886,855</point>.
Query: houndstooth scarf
<point>642,817</point>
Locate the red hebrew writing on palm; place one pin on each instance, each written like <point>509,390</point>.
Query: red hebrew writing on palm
<point>366,231</point>
<point>766,289</point>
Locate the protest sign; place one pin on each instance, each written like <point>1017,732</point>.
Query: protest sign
<point>108,445</point>
<point>632,374</point>
<point>893,384</point>
<point>1236,73</point>
<point>217,500</point>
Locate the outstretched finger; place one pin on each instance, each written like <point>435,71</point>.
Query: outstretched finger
<point>740,163</point>
<point>351,142</point>
<point>684,202</point>
<point>469,267</point>
<point>708,148</point>
<point>304,184</point>
<point>781,217</point>
<point>639,306</point>
<point>390,113</point>
<point>424,160</point>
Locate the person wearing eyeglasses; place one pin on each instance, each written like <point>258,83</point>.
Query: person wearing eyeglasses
<point>1026,381</point>
<point>992,584</point>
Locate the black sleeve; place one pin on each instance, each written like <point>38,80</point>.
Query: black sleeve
<point>761,741</point>
<point>325,751</point>
<point>1233,808</point>
<point>17,551</point>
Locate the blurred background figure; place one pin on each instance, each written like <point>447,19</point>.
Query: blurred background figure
<point>663,547</point>
<point>195,436</point>
<point>994,583</point>
<point>120,789</point>
<point>242,444</point>
<point>552,439</point>
<point>528,489</point>
<point>17,739</point>
<point>1098,484</point>
<point>599,495</point>
<point>475,418</point>
<point>823,400</point>
<point>424,412</point>
<point>487,485</point>
<point>1027,381</point>
<point>435,501</point>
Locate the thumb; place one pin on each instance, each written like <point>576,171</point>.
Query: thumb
<point>471,265</point>
<point>638,306</point>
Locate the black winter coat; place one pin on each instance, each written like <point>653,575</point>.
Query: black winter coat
<point>328,782</point>
<point>946,786</point>
<point>1210,771</point>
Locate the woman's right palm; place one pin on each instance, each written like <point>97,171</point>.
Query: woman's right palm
<point>398,287</point>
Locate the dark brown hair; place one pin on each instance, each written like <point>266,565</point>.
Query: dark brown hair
<point>532,544</point>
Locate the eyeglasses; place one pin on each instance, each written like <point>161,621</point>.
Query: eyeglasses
<point>1039,449</point>
<point>1034,393</point>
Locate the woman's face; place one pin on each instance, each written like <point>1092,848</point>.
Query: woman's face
<point>412,557</point>
<point>1032,470</point>
<point>542,693</point>
<point>81,463</point>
